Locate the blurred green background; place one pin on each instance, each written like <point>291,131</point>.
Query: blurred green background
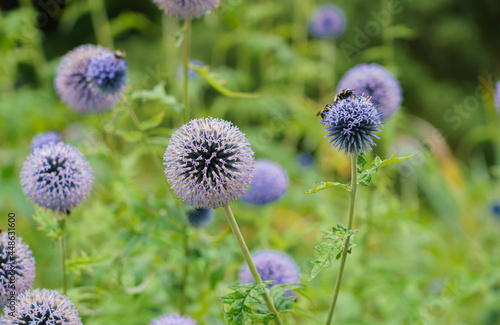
<point>429,246</point>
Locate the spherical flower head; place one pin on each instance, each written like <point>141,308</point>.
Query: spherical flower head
<point>495,209</point>
<point>57,177</point>
<point>208,163</point>
<point>18,263</point>
<point>200,217</point>
<point>173,319</point>
<point>187,9</point>
<point>497,95</point>
<point>374,81</point>
<point>351,124</point>
<point>272,265</point>
<point>45,138</point>
<point>328,21</point>
<point>44,307</point>
<point>268,184</point>
<point>305,160</point>
<point>91,79</point>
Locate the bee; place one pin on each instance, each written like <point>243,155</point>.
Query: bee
<point>344,93</point>
<point>120,54</point>
<point>324,111</point>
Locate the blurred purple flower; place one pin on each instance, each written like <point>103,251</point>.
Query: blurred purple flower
<point>305,160</point>
<point>208,163</point>
<point>20,265</point>
<point>328,21</point>
<point>268,184</point>
<point>497,95</point>
<point>191,72</point>
<point>173,319</point>
<point>45,138</point>
<point>200,217</point>
<point>187,9</point>
<point>91,79</point>
<point>56,177</point>
<point>375,81</point>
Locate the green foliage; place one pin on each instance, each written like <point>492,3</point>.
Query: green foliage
<point>324,185</point>
<point>366,170</point>
<point>331,248</point>
<point>48,223</point>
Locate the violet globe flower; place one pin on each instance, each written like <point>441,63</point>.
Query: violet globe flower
<point>200,217</point>
<point>272,265</point>
<point>208,163</point>
<point>91,78</point>
<point>268,184</point>
<point>497,95</point>
<point>173,319</point>
<point>187,9</point>
<point>56,177</point>
<point>328,21</point>
<point>374,81</point>
<point>43,307</point>
<point>45,138</point>
<point>19,265</point>
<point>351,124</point>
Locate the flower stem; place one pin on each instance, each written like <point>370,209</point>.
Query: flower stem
<point>62,246</point>
<point>100,22</point>
<point>248,259</point>
<point>185,271</point>
<point>186,46</point>
<point>354,184</point>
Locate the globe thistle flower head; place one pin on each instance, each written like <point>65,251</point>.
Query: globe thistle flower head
<point>351,124</point>
<point>91,79</point>
<point>187,9</point>
<point>268,184</point>
<point>208,163</point>
<point>328,21</point>
<point>173,319</point>
<point>272,265</point>
<point>47,307</point>
<point>373,80</point>
<point>45,138</point>
<point>200,217</point>
<point>497,95</point>
<point>56,177</point>
<point>21,265</point>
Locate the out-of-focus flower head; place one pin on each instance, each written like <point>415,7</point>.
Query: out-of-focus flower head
<point>187,9</point>
<point>328,21</point>
<point>268,184</point>
<point>200,217</point>
<point>45,138</point>
<point>173,319</point>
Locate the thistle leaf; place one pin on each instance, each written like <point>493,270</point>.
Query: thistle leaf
<point>324,185</point>
<point>366,170</point>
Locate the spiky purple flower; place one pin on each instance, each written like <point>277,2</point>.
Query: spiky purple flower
<point>497,95</point>
<point>187,9</point>
<point>200,217</point>
<point>268,184</point>
<point>208,163</point>
<point>173,319</point>
<point>42,307</point>
<point>351,124</point>
<point>45,138</point>
<point>375,81</point>
<point>328,21</point>
<point>17,268</point>
<point>56,177</point>
<point>272,265</point>
<point>91,78</point>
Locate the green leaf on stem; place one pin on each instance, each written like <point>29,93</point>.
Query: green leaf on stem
<point>153,122</point>
<point>324,185</point>
<point>245,303</point>
<point>211,78</point>
<point>159,94</point>
<point>48,223</point>
<point>331,249</point>
<point>366,170</point>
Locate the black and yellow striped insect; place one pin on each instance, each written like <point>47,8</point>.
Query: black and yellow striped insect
<point>120,54</point>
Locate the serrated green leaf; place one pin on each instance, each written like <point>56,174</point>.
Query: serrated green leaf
<point>366,170</point>
<point>331,249</point>
<point>324,185</point>
<point>281,302</point>
<point>157,94</point>
<point>48,223</point>
<point>153,122</point>
<point>211,78</point>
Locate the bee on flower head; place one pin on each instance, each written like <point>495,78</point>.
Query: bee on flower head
<point>345,93</point>
<point>120,54</point>
<point>324,111</point>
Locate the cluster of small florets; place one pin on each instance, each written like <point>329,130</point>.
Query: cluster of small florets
<point>173,319</point>
<point>45,138</point>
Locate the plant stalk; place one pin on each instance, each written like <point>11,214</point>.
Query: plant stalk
<point>248,258</point>
<point>185,271</point>
<point>62,246</point>
<point>186,47</point>
<point>354,184</point>
<point>102,28</point>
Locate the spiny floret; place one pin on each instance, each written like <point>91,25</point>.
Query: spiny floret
<point>268,184</point>
<point>208,163</point>
<point>107,72</point>
<point>173,319</point>
<point>57,177</point>
<point>187,9</point>
<point>272,266</point>
<point>328,21</point>
<point>18,263</point>
<point>351,124</point>
<point>41,307</point>
<point>375,81</point>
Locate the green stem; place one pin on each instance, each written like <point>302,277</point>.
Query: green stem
<point>62,246</point>
<point>354,184</point>
<point>185,272</point>
<point>186,46</point>
<point>102,28</point>
<point>248,258</point>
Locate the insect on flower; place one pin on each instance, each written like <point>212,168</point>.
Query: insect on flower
<point>120,54</point>
<point>343,94</point>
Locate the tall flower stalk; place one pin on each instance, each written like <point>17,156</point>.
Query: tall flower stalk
<point>186,47</point>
